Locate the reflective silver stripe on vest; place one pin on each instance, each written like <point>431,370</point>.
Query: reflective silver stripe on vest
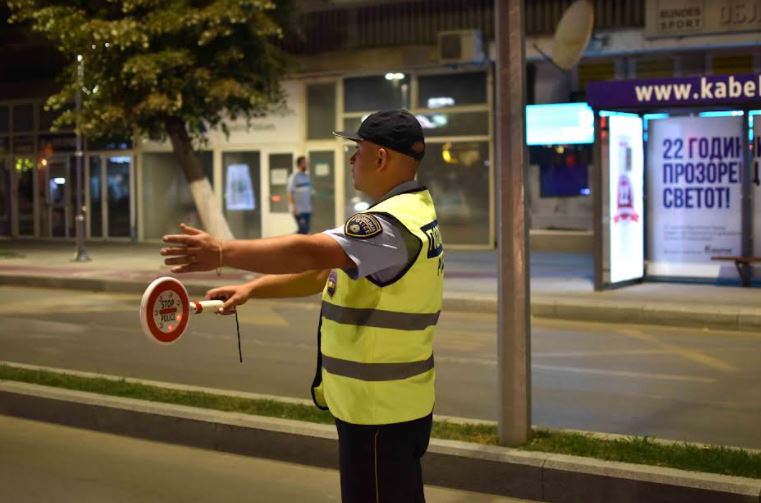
<point>375,371</point>
<point>378,318</point>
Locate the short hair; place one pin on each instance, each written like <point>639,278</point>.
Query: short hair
<point>299,159</point>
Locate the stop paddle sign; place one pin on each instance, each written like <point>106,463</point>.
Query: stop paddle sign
<point>165,309</point>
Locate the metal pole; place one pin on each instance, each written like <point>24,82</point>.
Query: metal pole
<point>513,302</point>
<point>81,253</point>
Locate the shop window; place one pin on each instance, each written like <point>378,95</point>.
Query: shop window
<point>4,119</point>
<point>23,118</point>
<point>118,192</point>
<point>457,175</point>
<point>24,167</point>
<point>110,143</point>
<point>5,197</point>
<point>454,124</point>
<point>351,124</point>
<point>46,119</point>
<point>732,64</point>
<point>166,195</point>
<point>95,213</point>
<point>242,193</point>
<point>380,92</point>
<point>652,68</point>
<point>563,169</point>
<point>595,71</point>
<point>692,63</point>
<point>321,111</point>
<point>280,168</point>
<point>456,89</point>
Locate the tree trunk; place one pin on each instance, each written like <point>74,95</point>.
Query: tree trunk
<point>212,218</point>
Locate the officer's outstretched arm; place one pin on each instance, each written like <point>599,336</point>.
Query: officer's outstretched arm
<point>269,287</point>
<point>195,250</point>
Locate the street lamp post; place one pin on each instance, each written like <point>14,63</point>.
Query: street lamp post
<point>81,253</point>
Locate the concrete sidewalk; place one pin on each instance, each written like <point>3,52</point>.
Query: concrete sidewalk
<point>561,284</point>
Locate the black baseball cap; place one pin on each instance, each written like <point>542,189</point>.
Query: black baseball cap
<point>395,129</point>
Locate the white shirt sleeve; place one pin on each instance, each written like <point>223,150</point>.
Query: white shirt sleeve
<point>385,253</point>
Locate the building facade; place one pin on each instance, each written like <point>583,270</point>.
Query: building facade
<point>435,58</point>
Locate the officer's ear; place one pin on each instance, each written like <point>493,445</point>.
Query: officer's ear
<point>382,158</point>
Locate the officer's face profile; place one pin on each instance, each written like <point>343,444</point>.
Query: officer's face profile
<point>364,162</point>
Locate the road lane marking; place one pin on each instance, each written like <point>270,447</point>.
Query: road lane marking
<point>581,370</point>
<point>692,355</point>
<point>624,373</point>
<point>612,352</point>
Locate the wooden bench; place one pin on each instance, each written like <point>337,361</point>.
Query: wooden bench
<point>743,265</point>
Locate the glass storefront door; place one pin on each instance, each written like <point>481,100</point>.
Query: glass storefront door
<point>24,187</point>
<point>57,221</point>
<point>322,169</point>
<point>109,196</point>
<point>118,196</point>
<point>5,197</point>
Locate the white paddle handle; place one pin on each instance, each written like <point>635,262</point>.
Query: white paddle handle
<point>205,306</point>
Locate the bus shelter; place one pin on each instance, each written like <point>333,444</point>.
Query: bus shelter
<point>677,195</point>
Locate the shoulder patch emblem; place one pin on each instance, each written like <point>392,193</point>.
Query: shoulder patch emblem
<point>362,226</point>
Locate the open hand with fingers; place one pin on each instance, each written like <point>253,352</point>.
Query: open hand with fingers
<point>193,250</point>
<point>231,295</point>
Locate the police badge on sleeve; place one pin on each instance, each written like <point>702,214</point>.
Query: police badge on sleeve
<point>362,226</point>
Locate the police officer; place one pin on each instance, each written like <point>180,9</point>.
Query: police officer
<point>381,278</point>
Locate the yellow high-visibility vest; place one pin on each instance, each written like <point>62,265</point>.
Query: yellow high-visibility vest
<point>376,351</point>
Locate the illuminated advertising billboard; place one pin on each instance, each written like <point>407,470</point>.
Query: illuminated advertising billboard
<point>695,167</point>
<point>559,124</point>
<point>625,201</point>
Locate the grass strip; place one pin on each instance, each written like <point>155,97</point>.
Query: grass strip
<point>640,450</point>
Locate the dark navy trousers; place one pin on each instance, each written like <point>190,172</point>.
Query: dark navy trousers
<point>381,464</point>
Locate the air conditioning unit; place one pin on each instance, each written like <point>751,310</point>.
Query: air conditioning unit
<point>461,46</point>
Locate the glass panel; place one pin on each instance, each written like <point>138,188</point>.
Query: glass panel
<point>352,124</point>
<point>280,169</point>
<point>5,197</point>
<point>23,144</point>
<point>457,175</point>
<point>49,144</point>
<point>109,144</point>
<point>453,124</point>
<point>322,168</point>
<point>376,93</point>
<point>24,167</point>
<point>4,119</point>
<point>242,196</point>
<point>166,195</point>
<point>438,91</point>
<point>46,119</point>
<point>23,118</point>
<point>58,201</point>
<point>321,111</point>
<point>95,210</point>
<point>118,196</point>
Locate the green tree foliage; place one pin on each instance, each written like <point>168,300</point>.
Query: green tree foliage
<point>147,61</point>
<point>161,68</point>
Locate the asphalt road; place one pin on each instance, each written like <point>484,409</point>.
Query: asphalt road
<point>672,383</point>
<point>45,462</point>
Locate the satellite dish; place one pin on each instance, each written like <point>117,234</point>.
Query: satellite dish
<point>572,34</point>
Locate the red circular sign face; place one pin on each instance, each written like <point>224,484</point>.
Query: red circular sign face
<point>167,313</point>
